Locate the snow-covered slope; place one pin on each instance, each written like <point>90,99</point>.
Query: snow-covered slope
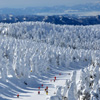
<point>84,84</point>
<point>37,51</point>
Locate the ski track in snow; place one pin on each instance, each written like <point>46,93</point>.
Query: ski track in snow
<point>52,88</point>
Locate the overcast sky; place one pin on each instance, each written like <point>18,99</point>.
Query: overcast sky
<point>32,3</point>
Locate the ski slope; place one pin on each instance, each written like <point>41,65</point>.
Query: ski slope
<point>33,53</point>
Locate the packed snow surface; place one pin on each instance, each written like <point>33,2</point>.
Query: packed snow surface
<point>34,53</point>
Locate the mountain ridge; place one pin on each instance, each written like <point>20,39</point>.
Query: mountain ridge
<point>55,19</point>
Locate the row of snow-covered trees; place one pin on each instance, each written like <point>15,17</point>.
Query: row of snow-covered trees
<point>18,57</point>
<point>21,55</point>
<point>76,37</point>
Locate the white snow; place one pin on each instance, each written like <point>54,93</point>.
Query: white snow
<point>33,53</point>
